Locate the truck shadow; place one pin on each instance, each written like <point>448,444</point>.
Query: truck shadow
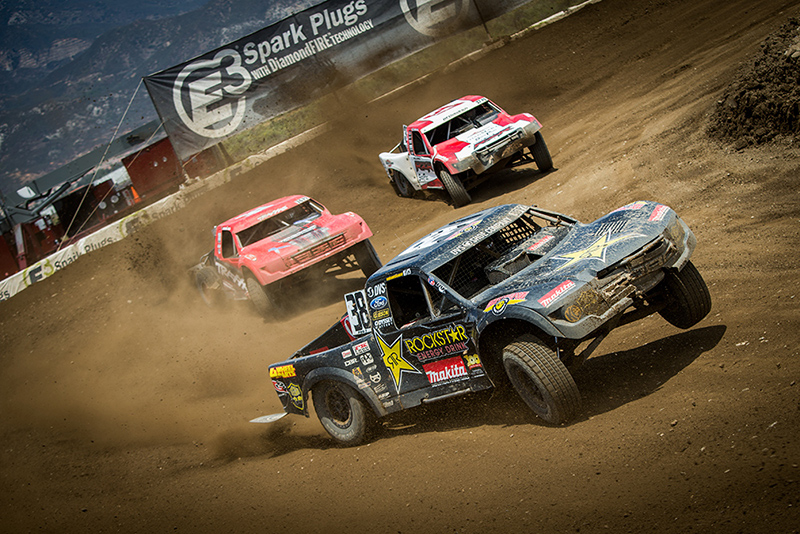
<point>507,181</point>
<point>605,382</point>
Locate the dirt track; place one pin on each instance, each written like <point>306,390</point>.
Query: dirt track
<point>125,401</point>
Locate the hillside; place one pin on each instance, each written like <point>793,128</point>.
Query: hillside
<point>68,72</point>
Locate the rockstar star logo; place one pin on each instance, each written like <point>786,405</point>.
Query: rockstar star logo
<point>394,361</point>
<point>595,250</point>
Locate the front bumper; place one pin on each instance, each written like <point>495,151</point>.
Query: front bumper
<point>621,285</point>
<point>493,151</point>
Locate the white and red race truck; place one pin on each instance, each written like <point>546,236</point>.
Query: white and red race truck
<point>258,254</point>
<point>456,146</point>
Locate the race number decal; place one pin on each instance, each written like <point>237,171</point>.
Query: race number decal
<point>358,311</point>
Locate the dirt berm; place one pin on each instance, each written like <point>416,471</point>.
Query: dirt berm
<point>125,401</point>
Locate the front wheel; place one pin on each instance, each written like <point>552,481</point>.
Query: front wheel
<point>541,380</point>
<point>688,295</point>
<point>540,153</point>
<point>258,296</point>
<point>367,258</point>
<point>455,189</point>
<point>341,412</point>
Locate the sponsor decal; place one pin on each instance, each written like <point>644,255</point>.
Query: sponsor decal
<point>464,230</point>
<point>449,340</point>
<point>361,348</point>
<point>394,361</point>
<point>383,395</point>
<point>360,378</point>
<point>446,371</point>
<point>473,361</point>
<point>297,396</point>
<point>384,323</point>
<point>279,386</point>
<point>632,206</point>
<point>283,371</point>
<point>370,368</point>
<point>366,359</point>
<point>376,377</point>
<point>347,326</point>
<point>388,404</point>
<point>351,361</point>
<point>376,290</point>
<point>596,250</point>
<point>438,285</point>
<point>540,243</point>
<point>404,272</point>
<point>587,303</point>
<point>498,305</point>
<point>556,293</point>
<point>573,313</point>
<point>378,302</point>
<point>380,314</point>
<point>347,353</point>
<point>658,213</point>
<point>380,388</point>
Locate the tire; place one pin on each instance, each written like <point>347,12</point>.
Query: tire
<point>367,258</point>
<point>688,296</point>
<point>455,189</point>
<point>541,380</point>
<point>341,412</point>
<point>540,153</point>
<point>401,185</point>
<point>207,283</point>
<point>259,296</point>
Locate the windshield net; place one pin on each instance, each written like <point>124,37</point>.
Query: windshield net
<point>469,273</point>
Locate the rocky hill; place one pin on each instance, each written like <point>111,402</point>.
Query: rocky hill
<point>69,70</point>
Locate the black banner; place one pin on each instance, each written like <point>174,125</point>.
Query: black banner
<point>299,59</point>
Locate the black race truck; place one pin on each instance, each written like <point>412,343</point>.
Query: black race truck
<point>510,294</point>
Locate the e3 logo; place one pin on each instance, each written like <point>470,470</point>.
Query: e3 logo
<point>202,87</point>
<point>436,18</point>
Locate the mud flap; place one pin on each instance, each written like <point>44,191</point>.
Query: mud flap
<point>269,418</point>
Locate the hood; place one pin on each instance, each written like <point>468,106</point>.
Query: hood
<point>286,243</point>
<point>574,260</point>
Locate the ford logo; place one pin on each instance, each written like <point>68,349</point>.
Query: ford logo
<point>377,303</point>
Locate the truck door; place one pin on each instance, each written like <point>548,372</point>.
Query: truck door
<point>227,255</point>
<point>419,152</point>
<point>428,348</point>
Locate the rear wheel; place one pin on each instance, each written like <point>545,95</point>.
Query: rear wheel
<point>341,412</point>
<point>259,296</point>
<point>455,189</point>
<point>367,258</point>
<point>689,299</point>
<point>540,153</point>
<point>401,185</point>
<point>207,282</point>
<point>541,380</point>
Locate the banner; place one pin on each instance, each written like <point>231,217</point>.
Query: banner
<point>105,236</point>
<point>294,61</point>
